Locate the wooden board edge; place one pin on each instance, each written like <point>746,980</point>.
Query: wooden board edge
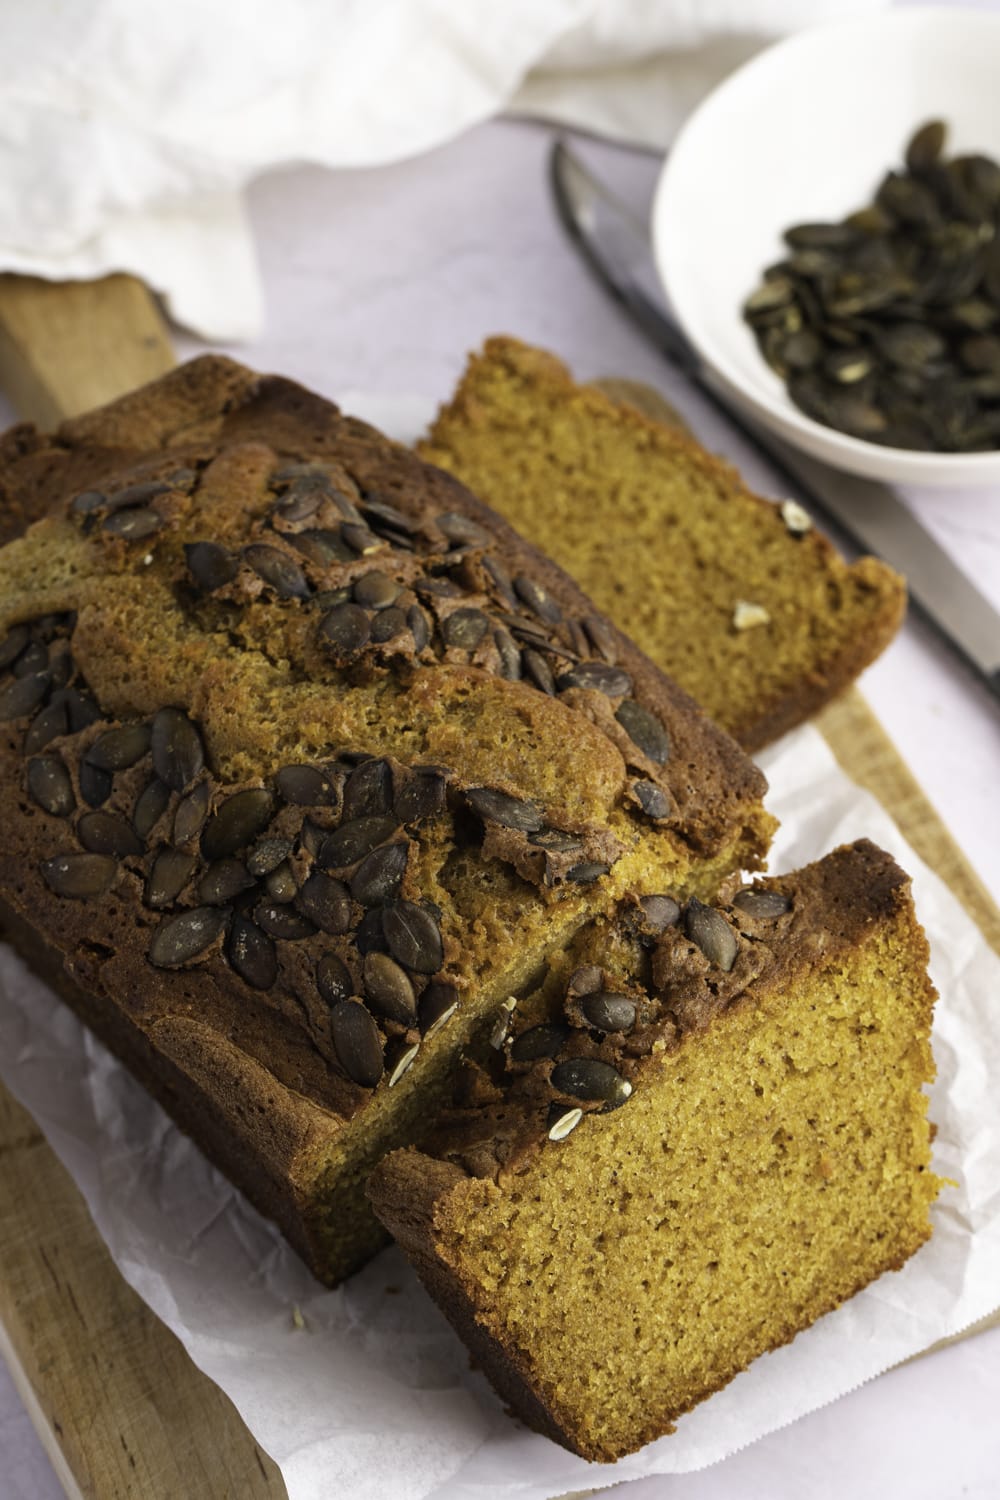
<point>39,1420</point>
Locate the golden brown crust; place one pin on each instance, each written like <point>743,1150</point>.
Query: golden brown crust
<point>515,396</point>
<point>253,1065</point>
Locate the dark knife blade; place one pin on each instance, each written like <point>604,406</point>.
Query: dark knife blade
<point>616,245</point>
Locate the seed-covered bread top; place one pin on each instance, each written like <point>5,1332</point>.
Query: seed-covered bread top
<point>301,737</point>
<point>740,599</point>
<point>635,983</point>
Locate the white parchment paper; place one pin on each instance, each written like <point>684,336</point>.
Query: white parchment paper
<point>373,1395</point>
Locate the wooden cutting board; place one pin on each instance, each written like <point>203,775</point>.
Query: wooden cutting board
<point>119,1407</point>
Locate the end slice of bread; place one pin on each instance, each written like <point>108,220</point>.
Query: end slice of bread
<point>619,1222</point>
<point>669,542</point>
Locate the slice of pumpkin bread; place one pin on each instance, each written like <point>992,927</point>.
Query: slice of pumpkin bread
<point>760,621</point>
<point>308,762</point>
<point>706,1129</point>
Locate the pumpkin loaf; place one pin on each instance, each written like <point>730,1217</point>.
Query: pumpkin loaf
<point>748,607</point>
<point>311,763</point>
<point>704,1130</point>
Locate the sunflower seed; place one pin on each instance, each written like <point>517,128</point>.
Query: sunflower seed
<point>501,1027</point>
<point>303,786</point>
<point>333,979</point>
<point>95,784</point>
<point>279,571</point>
<point>659,912</point>
<point>368,791</point>
<point>413,936</point>
<point>652,799</point>
<point>50,724</point>
<point>403,1063</point>
<point>357,1043</point>
<point>709,929</point>
<point>762,904</point>
<point>50,785</point>
<point>191,813</point>
<point>134,525</point>
<point>563,1122</point>
<point>438,1004</point>
<point>183,938</point>
<point>79,876</point>
<point>178,753</point>
<point>499,807</point>
<point>251,953</point>
<point>416,623</point>
<point>108,833</point>
<point>237,822</point>
<point>589,1078</point>
<point>539,1041</point>
<point>118,749</point>
<point>464,629</point>
<point>599,677</point>
<point>223,881</point>
<point>644,730</point>
<point>537,670</point>
<point>538,599</point>
<point>23,695</point>
<point>797,520</point>
<point>326,902</point>
<point>375,591</point>
<point>388,989</point>
<point>509,653</point>
<point>171,871</point>
<point>421,796</point>
<point>380,874</point>
<point>210,565</point>
<point>606,1011</point>
<point>346,628</point>
<point>353,840</point>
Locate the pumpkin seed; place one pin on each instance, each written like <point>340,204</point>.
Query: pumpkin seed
<point>353,840</point>
<point>108,833</point>
<point>368,791</point>
<point>237,822</point>
<point>304,786</point>
<point>357,1043</point>
<point>50,785</point>
<point>50,724</point>
<point>438,1004</point>
<point>191,812</point>
<point>644,730</point>
<point>211,565</point>
<point>224,881</point>
<point>23,695</point>
<point>326,902</point>
<point>590,1079</point>
<point>413,936</point>
<point>499,807</point>
<point>79,876</point>
<point>388,989</point>
<point>171,871</point>
<point>333,979</point>
<point>178,753</point>
<point>659,912</point>
<point>186,937</point>
<point>762,904</point>
<point>380,874</point>
<point>118,749</point>
<point>606,1011</point>
<point>251,953</point>
<point>599,677</point>
<point>711,932</point>
<point>540,1041</point>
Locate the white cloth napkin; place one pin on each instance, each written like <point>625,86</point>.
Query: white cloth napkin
<point>128,132</point>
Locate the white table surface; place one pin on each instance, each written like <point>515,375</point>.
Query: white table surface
<point>381,281</point>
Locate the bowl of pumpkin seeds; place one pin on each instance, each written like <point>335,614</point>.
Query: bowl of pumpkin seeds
<point>827,227</point>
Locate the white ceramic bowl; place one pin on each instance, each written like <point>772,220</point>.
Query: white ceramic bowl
<point>804,132</point>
